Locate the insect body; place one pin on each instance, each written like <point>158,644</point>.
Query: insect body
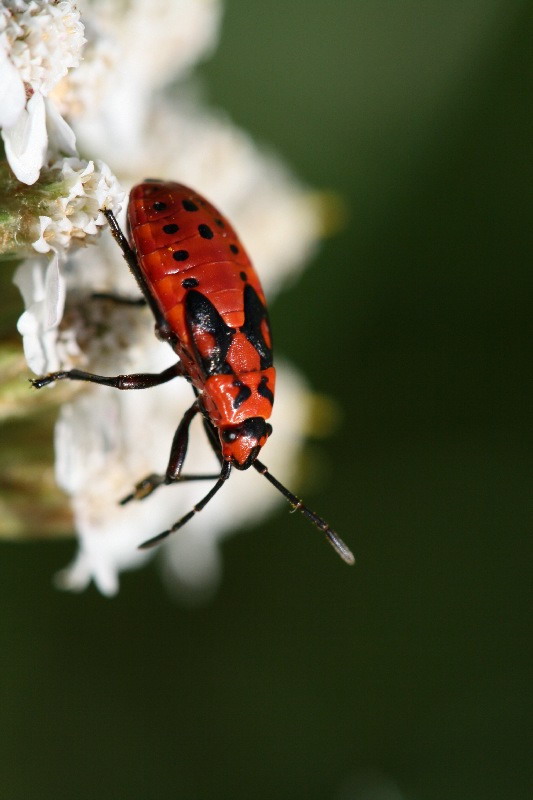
<point>214,310</point>
<point>209,306</point>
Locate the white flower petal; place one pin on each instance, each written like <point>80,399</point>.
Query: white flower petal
<point>12,94</point>
<point>192,567</point>
<point>77,576</point>
<point>41,245</point>
<point>61,137</point>
<point>26,141</point>
<point>89,565</point>
<point>55,293</point>
<point>43,288</point>
<point>40,348</point>
<point>28,279</point>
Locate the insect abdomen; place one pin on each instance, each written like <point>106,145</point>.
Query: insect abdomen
<point>202,280</point>
<point>183,242</point>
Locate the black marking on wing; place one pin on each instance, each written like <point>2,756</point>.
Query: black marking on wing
<point>243,394</point>
<point>264,391</point>
<point>254,314</point>
<point>202,315</point>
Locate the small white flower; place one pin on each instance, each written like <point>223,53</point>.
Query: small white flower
<point>135,49</point>
<point>268,206</point>
<point>40,40</point>
<point>44,39</point>
<point>74,218</point>
<point>86,188</point>
<point>174,35</point>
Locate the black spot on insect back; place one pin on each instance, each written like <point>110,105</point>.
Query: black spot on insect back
<point>219,223</point>
<point>159,205</point>
<point>205,231</point>
<point>234,248</point>
<point>242,276</point>
<point>180,255</point>
<point>190,283</point>
<point>188,205</point>
<point>170,228</point>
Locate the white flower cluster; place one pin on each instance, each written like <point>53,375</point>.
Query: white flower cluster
<point>76,216</point>
<point>77,213</point>
<point>121,106</point>
<point>40,40</point>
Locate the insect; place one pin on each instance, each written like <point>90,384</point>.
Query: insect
<point>209,306</point>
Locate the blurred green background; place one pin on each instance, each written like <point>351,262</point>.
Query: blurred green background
<point>404,678</point>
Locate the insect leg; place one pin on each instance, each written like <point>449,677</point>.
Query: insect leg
<point>133,264</point>
<point>142,380</point>
<point>224,475</point>
<point>119,299</point>
<point>212,438</point>
<point>180,442</point>
<point>212,435</point>
<point>178,451</point>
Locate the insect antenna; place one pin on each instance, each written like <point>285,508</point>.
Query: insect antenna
<point>335,541</point>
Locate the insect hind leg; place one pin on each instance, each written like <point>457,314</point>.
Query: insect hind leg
<point>119,299</point>
<point>153,481</point>
<point>222,478</point>
<point>173,473</point>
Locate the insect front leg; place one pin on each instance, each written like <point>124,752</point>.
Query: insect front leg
<point>212,437</point>
<point>141,380</point>
<point>132,262</point>
<point>178,451</point>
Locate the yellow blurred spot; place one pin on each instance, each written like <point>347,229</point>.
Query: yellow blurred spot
<point>331,210</point>
<point>324,416</point>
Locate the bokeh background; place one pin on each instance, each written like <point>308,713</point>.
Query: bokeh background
<point>404,678</point>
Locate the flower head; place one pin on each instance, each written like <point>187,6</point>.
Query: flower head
<point>40,40</point>
<point>72,192</point>
<point>121,107</point>
<point>76,213</point>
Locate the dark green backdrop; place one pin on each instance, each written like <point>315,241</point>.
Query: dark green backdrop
<point>304,680</point>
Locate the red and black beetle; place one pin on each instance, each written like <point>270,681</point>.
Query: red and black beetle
<point>209,306</point>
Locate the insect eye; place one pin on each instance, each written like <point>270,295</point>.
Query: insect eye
<point>268,429</point>
<point>229,436</point>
